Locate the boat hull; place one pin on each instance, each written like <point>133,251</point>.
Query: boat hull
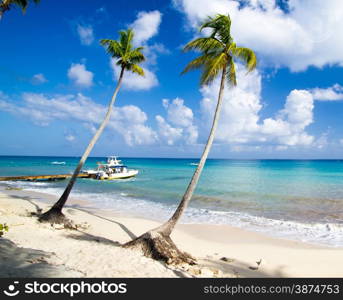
<point>116,176</point>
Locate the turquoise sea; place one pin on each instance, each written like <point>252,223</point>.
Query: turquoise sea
<point>296,199</point>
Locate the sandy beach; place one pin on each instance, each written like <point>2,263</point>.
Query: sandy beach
<point>32,249</point>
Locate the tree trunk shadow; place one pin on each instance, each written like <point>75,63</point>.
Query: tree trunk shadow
<point>30,200</point>
<point>122,226</point>
<point>84,236</point>
<point>25,262</point>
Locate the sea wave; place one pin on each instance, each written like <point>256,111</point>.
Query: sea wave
<point>328,234</point>
<point>26,184</point>
<point>58,162</point>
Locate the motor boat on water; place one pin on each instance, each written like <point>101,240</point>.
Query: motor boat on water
<point>113,169</point>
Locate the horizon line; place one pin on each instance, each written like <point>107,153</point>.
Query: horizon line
<point>154,157</point>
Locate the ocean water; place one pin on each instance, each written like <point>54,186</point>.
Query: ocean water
<point>295,199</point>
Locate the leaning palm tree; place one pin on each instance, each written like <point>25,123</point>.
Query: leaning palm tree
<point>6,5</point>
<point>128,59</point>
<point>218,52</point>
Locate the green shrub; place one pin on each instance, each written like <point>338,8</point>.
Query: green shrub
<point>3,228</point>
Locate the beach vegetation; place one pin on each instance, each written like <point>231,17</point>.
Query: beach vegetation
<point>3,228</point>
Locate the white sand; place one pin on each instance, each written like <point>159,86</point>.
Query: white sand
<point>94,251</point>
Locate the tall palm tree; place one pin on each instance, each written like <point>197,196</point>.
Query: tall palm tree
<point>218,52</point>
<point>6,5</point>
<point>128,59</point>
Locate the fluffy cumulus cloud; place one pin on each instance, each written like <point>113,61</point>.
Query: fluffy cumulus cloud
<point>305,34</point>
<point>334,93</point>
<point>146,26</point>
<point>288,128</point>
<point>86,34</point>
<point>80,75</point>
<point>241,123</point>
<point>129,121</point>
<point>179,126</point>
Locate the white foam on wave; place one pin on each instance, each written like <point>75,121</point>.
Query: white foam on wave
<point>58,163</point>
<point>329,234</point>
<point>26,184</point>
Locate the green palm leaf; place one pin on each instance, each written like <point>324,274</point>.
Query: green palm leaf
<point>6,5</point>
<point>231,72</point>
<point>221,27</point>
<point>122,50</point>
<point>212,68</point>
<point>218,52</point>
<point>204,45</point>
<point>247,55</point>
<point>136,69</point>
<point>197,63</point>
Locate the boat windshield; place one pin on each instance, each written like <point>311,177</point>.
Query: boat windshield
<point>118,169</point>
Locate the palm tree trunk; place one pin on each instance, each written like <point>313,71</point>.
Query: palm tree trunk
<point>167,228</point>
<point>55,213</point>
<point>157,243</point>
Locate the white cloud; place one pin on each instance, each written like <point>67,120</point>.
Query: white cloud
<point>289,126</point>
<point>146,26</point>
<point>86,34</point>
<point>178,113</point>
<point>334,93</point>
<point>39,79</point>
<point>241,106</point>
<point>309,34</point>
<point>80,75</point>
<point>181,117</point>
<point>168,133</point>
<point>240,121</point>
<point>129,121</point>
<point>151,53</point>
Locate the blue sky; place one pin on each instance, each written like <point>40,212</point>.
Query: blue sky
<point>55,80</point>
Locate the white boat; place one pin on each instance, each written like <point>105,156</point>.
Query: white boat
<point>113,169</point>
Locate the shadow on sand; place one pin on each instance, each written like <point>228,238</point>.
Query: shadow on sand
<point>31,263</point>
<point>25,262</point>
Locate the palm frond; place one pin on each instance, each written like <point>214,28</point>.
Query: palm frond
<point>231,72</point>
<point>246,55</point>
<point>136,69</point>
<point>21,3</point>
<point>7,4</point>
<point>204,44</point>
<point>127,56</point>
<point>212,68</point>
<point>221,27</point>
<point>197,63</point>
<point>112,47</point>
<point>136,56</point>
<point>126,37</point>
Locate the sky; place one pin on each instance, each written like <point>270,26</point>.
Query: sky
<point>56,80</point>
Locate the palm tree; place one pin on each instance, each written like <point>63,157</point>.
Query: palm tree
<point>218,52</point>
<point>6,5</point>
<point>128,59</point>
